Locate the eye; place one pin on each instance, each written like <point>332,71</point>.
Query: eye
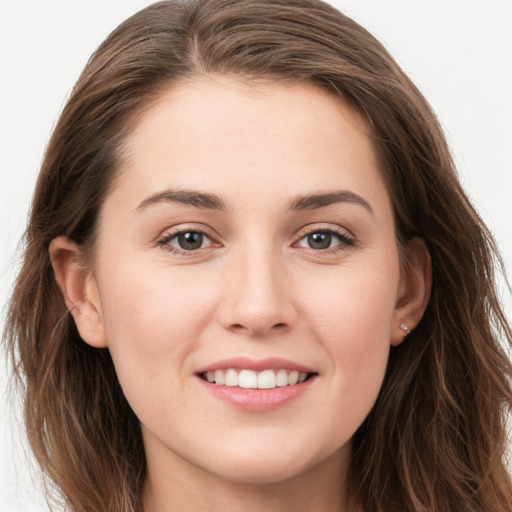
<point>186,241</point>
<point>325,239</point>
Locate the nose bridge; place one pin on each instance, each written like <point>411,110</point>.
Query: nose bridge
<point>257,296</point>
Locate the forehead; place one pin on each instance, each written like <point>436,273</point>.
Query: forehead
<point>257,107</point>
<point>225,134</point>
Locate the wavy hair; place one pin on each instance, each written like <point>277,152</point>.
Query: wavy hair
<point>436,438</point>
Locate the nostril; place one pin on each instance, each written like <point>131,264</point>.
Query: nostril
<point>257,330</point>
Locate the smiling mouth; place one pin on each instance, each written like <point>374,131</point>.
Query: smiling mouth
<point>250,379</point>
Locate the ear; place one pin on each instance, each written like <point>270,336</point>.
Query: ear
<point>79,288</point>
<point>414,290</point>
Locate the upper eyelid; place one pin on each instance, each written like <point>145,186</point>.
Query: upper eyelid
<point>186,228</point>
<point>321,227</point>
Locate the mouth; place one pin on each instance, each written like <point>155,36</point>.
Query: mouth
<point>251,379</point>
<point>257,385</point>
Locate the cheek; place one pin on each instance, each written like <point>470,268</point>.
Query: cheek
<point>353,307</point>
<point>353,316</point>
<point>153,318</point>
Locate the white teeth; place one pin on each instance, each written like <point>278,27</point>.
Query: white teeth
<point>231,378</point>
<point>293,377</point>
<point>266,379</point>
<point>219,377</point>
<point>282,378</point>
<point>249,379</point>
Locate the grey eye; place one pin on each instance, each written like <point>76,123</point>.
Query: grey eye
<point>325,239</point>
<point>186,241</point>
<point>319,240</point>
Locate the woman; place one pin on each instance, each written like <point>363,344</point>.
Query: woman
<point>280,306</point>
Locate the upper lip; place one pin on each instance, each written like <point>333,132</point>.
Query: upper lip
<point>258,365</point>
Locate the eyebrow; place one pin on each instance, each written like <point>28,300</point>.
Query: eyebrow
<point>187,197</point>
<point>213,202</point>
<point>314,201</point>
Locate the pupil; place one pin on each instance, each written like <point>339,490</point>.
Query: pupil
<point>319,240</point>
<point>190,241</point>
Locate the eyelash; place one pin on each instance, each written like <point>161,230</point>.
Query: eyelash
<point>345,240</point>
<point>165,241</point>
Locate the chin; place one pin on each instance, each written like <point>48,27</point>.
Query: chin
<point>265,473</point>
<point>266,467</point>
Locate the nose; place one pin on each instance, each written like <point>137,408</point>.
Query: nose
<point>258,296</point>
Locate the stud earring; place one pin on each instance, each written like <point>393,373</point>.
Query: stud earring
<point>404,328</point>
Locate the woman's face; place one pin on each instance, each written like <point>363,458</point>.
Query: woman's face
<point>249,239</point>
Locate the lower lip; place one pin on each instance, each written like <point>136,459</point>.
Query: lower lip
<point>258,399</point>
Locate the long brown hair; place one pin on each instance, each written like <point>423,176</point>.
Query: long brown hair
<point>436,438</point>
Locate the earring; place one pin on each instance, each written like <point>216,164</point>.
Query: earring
<point>404,328</point>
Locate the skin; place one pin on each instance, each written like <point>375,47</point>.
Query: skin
<point>255,288</point>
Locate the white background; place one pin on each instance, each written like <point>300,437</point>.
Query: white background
<point>459,52</point>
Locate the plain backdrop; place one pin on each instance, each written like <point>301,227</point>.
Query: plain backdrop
<point>459,53</point>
